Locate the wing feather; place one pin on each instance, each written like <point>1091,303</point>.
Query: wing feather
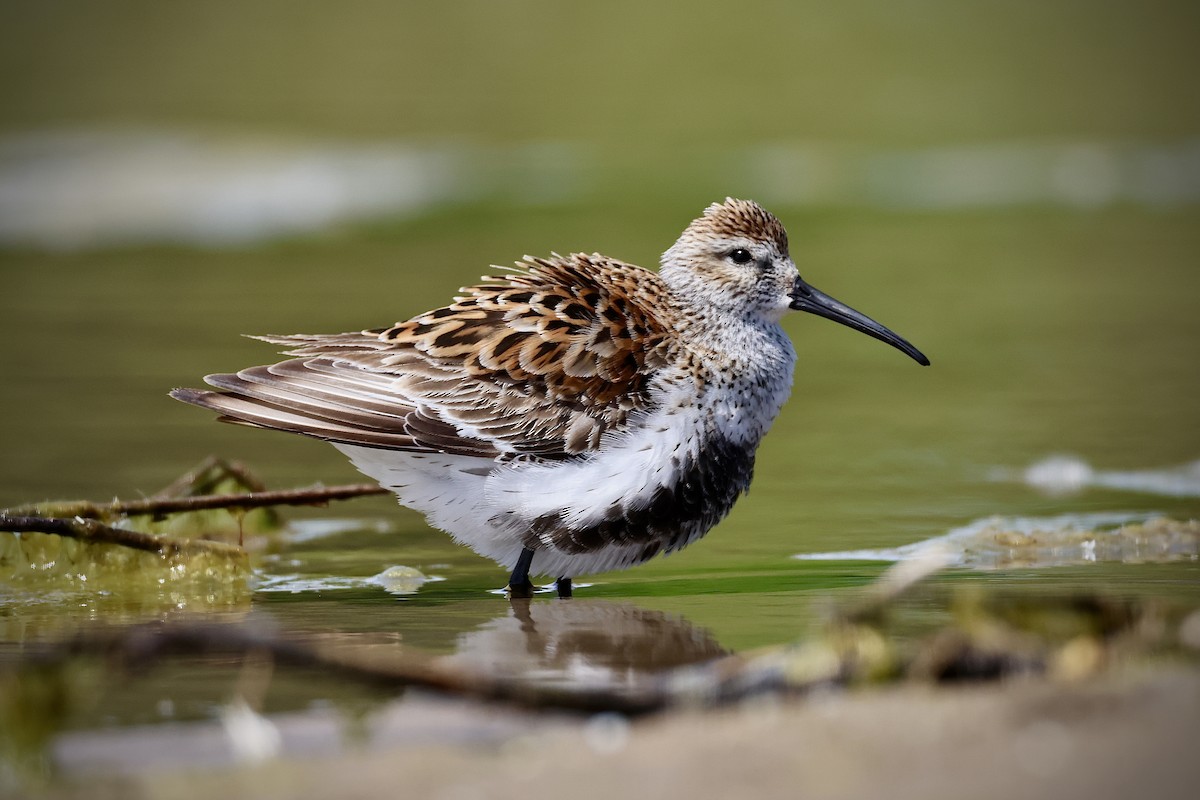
<point>542,361</point>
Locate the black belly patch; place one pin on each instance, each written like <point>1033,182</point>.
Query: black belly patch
<point>674,516</point>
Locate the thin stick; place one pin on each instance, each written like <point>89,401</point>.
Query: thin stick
<point>776,671</point>
<point>722,681</point>
<point>89,530</point>
<point>896,581</point>
<point>146,645</point>
<point>316,495</point>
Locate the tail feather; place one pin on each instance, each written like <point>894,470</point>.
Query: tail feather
<point>261,413</point>
<point>310,405</point>
<point>326,399</point>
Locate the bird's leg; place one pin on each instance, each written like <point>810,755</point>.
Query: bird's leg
<point>563,585</point>
<point>519,584</point>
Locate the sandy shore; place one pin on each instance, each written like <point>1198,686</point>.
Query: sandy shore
<point>1132,735</point>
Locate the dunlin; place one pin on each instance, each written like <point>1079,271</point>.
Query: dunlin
<point>574,415</point>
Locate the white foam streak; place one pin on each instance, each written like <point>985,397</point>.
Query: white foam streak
<point>395,580</point>
<point>78,189</point>
<point>1066,474</point>
<point>85,188</point>
<point>1077,174</point>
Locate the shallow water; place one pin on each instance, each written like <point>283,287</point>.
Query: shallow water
<point>1055,332</point>
<point>1034,230</point>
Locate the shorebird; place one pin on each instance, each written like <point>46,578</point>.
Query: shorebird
<point>576,414</point>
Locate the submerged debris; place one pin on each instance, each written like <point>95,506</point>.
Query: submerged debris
<point>179,548</point>
<point>1067,539</point>
<point>215,501</point>
<point>988,636</point>
<point>980,634</point>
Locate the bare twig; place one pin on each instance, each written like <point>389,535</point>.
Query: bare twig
<point>89,530</point>
<point>312,496</point>
<point>846,654</point>
<point>894,582</point>
<point>209,471</point>
<point>791,670</point>
<point>145,645</point>
<point>787,670</point>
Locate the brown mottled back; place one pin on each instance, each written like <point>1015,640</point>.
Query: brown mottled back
<point>568,327</point>
<point>542,361</point>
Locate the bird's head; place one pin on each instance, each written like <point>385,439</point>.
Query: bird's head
<point>734,260</point>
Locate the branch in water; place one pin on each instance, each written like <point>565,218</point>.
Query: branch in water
<point>89,530</point>
<point>316,495</point>
<point>147,645</point>
<point>846,654</point>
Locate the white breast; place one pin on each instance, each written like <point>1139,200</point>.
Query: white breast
<point>490,506</point>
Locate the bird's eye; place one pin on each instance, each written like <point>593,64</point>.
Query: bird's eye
<point>741,256</point>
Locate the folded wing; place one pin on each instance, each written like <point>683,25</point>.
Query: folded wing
<point>541,362</point>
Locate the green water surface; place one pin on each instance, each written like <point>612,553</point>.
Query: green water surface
<point>1050,329</point>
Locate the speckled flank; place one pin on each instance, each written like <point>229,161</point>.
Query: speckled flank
<point>703,493</point>
<point>592,410</point>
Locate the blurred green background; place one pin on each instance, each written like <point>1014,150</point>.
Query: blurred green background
<point>630,77</point>
<point>1013,186</point>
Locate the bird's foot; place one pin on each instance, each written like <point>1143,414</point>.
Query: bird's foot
<point>563,585</point>
<point>519,585</point>
<point>520,591</point>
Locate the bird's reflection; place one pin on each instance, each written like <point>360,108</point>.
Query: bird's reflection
<point>588,640</point>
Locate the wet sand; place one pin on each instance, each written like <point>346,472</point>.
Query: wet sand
<point>1125,735</point>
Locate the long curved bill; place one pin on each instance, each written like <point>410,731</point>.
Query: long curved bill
<point>814,301</point>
